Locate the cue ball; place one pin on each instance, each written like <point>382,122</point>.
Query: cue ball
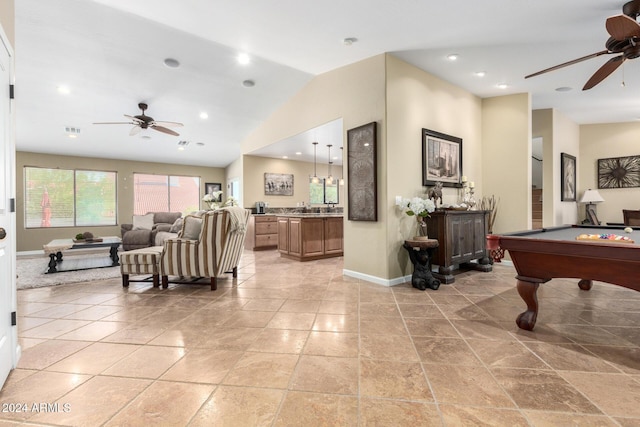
<point>628,230</point>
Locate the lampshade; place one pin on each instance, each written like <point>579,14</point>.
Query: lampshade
<point>591,196</point>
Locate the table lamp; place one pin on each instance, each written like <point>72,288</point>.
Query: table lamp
<point>590,197</point>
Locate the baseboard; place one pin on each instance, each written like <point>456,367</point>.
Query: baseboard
<point>377,280</point>
<point>30,253</point>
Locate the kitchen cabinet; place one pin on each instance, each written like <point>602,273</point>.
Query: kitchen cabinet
<point>308,237</point>
<point>262,232</point>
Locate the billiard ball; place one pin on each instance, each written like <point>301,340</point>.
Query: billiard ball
<point>628,229</point>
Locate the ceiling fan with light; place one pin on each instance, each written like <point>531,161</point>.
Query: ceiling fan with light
<point>624,40</point>
<point>142,121</point>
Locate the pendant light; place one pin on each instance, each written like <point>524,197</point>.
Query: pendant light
<point>315,179</point>
<point>329,178</point>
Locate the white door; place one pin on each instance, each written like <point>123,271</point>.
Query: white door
<point>8,333</point>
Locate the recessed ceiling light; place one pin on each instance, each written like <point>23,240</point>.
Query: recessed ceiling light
<point>73,135</point>
<point>564,89</point>
<point>171,63</point>
<point>248,83</point>
<point>204,115</point>
<point>348,41</point>
<point>452,57</point>
<point>64,90</point>
<point>298,153</point>
<point>479,74</point>
<point>285,157</point>
<point>502,85</point>
<point>244,58</point>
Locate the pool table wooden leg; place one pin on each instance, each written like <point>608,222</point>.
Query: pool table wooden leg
<point>585,284</point>
<point>528,292</point>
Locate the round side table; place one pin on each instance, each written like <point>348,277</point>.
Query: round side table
<point>420,253</point>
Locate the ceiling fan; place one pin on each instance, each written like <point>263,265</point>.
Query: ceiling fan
<point>142,121</point>
<point>625,40</point>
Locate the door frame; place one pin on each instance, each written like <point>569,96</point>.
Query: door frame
<point>8,291</point>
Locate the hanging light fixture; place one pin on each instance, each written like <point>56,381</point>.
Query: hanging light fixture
<point>315,179</point>
<point>342,170</point>
<point>329,178</point>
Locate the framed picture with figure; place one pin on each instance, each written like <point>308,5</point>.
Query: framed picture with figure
<point>210,187</point>
<point>441,159</point>
<point>568,178</point>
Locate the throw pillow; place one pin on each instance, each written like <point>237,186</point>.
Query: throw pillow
<point>177,225</point>
<point>191,227</point>
<point>143,222</point>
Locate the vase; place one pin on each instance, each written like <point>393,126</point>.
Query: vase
<point>422,229</point>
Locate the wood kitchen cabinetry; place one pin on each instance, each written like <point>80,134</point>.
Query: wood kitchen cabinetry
<point>262,232</point>
<point>306,238</point>
<point>462,239</point>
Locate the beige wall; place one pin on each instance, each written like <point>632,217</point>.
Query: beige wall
<point>33,239</point>
<point>7,20</point>
<point>256,167</point>
<point>356,94</point>
<point>506,159</point>
<point>417,100</point>
<point>601,141</point>
<point>560,135</point>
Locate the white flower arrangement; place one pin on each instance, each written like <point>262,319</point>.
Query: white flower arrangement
<point>418,206</point>
<point>212,199</point>
<point>231,201</point>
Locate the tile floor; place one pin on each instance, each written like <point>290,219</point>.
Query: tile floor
<point>298,344</point>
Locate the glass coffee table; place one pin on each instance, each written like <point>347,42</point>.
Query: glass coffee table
<point>55,249</point>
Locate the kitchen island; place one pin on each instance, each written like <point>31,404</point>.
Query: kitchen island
<point>310,236</point>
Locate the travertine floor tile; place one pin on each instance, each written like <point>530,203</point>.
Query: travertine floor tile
<point>93,359</point>
<point>384,412</point>
<point>163,403</point>
<point>49,352</point>
<point>239,406</point>
<point>394,380</point>
<point>268,370</point>
<point>337,344</point>
<point>146,362</point>
<point>326,374</point>
<point>203,366</point>
<point>313,409</point>
<point>280,341</point>
<point>455,415</point>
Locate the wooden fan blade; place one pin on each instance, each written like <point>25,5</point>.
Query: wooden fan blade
<point>164,130</point>
<point>169,124</point>
<point>603,72</point>
<point>622,27</point>
<point>135,130</point>
<point>566,64</point>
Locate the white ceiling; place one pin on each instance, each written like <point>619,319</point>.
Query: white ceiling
<point>110,54</point>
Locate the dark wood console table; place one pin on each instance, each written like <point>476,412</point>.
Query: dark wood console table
<point>462,237</point>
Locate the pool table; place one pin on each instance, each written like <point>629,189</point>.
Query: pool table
<point>544,254</point>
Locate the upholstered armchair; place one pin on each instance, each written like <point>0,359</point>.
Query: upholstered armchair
<point>208,246</point>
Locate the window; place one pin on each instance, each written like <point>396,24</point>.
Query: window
<point>69,198</point>
<point>165,193</point>
<point>323,192</point>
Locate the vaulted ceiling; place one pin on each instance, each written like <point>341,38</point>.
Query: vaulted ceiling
<point>110,55</point>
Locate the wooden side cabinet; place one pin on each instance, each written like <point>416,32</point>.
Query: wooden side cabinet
<point>309,238</point>
<point>461,236</point>
<point>262,232</point>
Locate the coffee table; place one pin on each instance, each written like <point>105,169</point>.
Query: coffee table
<point>56,247</point>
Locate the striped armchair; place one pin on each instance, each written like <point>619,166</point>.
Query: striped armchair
<point>216,249</point>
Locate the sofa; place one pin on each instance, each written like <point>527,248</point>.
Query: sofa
<point>150,229</point>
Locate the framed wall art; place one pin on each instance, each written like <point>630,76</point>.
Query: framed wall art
<point>568,178</point>
<point>619,172</point>
<point>210,187</point>
<point>278,184</point>
<point>362,183</point>
<point>441,159</point>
